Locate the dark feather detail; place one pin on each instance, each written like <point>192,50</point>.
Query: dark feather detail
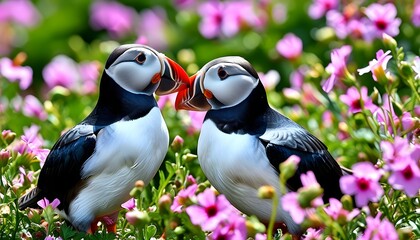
<point>30,199</point>
<point>284,138</point>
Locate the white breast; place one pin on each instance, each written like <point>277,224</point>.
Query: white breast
<point>237,165</point>
<point>125,152</point>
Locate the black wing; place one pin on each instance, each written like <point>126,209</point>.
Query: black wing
<point>284,138</point>
<point>60,174</point>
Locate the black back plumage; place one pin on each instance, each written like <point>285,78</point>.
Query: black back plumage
<point>281,138</point>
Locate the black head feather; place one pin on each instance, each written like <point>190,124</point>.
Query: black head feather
<point>233,59</point>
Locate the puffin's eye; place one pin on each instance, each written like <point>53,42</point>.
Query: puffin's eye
<point>222,73</point>
<point>141,58</point>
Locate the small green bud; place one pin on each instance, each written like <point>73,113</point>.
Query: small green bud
<point>137,218</point>
<point>179,230</point>
<point>165,202</point>
<point>254,226</point>
<point>306,195</point>
<point>389,42</point>
<point>177,143</point>
<point>266,192</point>
<point>406,69</point>
<point>8,136</point>
<point>375,96</point>
<point>288,168</point>
<point>189,157</point>
<point>4,157</point>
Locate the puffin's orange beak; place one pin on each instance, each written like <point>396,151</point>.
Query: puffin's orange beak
<point>174,78</point>
<point>192,98</point>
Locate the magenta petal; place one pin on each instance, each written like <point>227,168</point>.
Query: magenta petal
<point>197,214</point>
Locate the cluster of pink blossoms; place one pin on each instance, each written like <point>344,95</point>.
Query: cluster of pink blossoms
<point>119,21</point>
<point>65,72</point>
<point>213,213</point>
<point>350,20</point>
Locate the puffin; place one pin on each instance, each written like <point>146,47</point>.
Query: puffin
<point>243,140</point>
<point>93,166</point>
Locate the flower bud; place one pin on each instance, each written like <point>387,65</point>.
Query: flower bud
<point>389,42</point>
<point>138,188</point>
<point>137,218</point>
<point>288,168</point>
<point>139,184</point>
<point>254,226</point>
<point>189,157</point>
<point>406,69</point>
<point>179,230</point>
<point>177,143</point>
<point>306,195</point>
<point>405,233</point>
<point>380,74</point>
<point>165,202</point>
<point>8,136</point>
<point>375,96</point>
<point>4,157</point>
<point>266,192</point>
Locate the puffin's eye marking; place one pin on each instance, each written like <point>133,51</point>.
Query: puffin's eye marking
<point>222,73</point>
<point>141,58</point>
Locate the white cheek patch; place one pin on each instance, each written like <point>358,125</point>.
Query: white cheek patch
<point>232,90</point>
<point>133,77</point>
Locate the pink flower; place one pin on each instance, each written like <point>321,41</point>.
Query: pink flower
<point>227,18</point>
<point>270,79</point>
<point>319,7</point>
<point>415,17</point>
<point>339,22</point>
<point>337,68</point>
<point>291,204</point>
<point>44,203</point>
<point>363,183</point>
<point>233,229</point>
<point>397,154</point>
<point>407,179</point>
<point>32,107</point>
<point>416,64</point>
<point>297,77</point>
<point>336,211</point>
<point>23,178</point>
<point>130,204</point>
<point>31,143</point>
<point>196,121</point>
<point>151,26</point>
<point>210,211</point>
<point>182,197</point>
<point>19,11</point>
<point>184,4</point>
<point>114,17</point>
<point>354,99</point>
<point>290,46</point>
<point>168,100</point>
<point>89,74</point>
<point>377,66</point>
<point>377,229</point>
<point>13,73</point>
<point>382,20</point>
<point>61,71</point>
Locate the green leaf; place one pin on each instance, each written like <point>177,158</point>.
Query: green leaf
<point>151,231</point>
